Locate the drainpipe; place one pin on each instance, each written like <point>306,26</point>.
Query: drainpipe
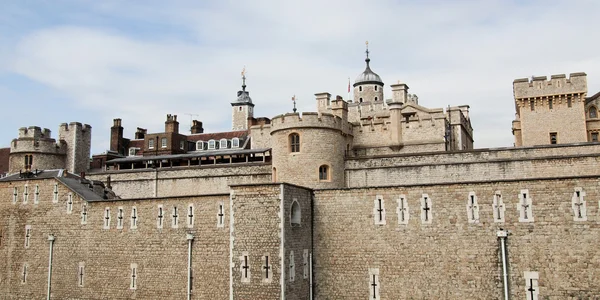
<point>502,235</point>
<point>190,238</point>
<point>311,277</point>
<point>51,240</point>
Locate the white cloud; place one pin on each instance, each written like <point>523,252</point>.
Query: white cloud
<point>449,53</point>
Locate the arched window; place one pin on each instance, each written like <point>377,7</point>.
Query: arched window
<point>376,88</point>
<point>360,100</point>
<point>294,142</point>
<point>211,144</point>
<point>593,112</point>
<point>223,144</point>
<point>274,175</point>
<point>376,98</point>
<point>324,173</point>
<point>360,88</point>
<point>295,214</point>
<point>235,143</point>
<point>200,145</point>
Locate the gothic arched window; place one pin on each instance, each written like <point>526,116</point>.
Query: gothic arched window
<point>593,112</point>
<point>295,214</point>
<point>324,173</point>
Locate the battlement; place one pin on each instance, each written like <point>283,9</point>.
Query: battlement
<point>540,86</point>
<point>34,132</point>
<point>310,120</point>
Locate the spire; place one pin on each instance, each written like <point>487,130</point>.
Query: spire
<point>244,79</point>
<point>367,51</point>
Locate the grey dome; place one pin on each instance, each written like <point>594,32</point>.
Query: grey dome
<point>243,96</point>
<point>368,76</point>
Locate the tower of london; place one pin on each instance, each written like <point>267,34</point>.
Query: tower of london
<point>375,196</point>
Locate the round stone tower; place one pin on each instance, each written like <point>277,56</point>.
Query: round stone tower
<point>368,86</point>
<point>35,149</point>
<point>309,150</point>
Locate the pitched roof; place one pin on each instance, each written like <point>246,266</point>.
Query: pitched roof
<point>217,135</point>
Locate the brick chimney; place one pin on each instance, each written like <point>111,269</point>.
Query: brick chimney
<point>171,125</point>
<point>140,133</point>
<point>196,127</point>
<point>116,136</point>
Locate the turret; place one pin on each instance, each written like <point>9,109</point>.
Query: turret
<point>368,86</point>
<point>242,108</point>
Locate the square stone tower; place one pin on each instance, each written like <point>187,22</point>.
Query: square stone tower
<point>550,111</point>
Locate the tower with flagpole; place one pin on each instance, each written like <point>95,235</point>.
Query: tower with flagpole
<point>242,108</point>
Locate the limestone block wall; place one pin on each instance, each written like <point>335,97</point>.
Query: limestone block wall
<point>108,254</point>
<point>183,181</point>
<point>450,257</point>
<point>261,136</point>
<point>41,161</point>
<point>367,93</point>
<point>477,165</point>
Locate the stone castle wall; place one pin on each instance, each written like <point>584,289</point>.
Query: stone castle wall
<point>451,258</point>
<point>107,254</point>
<point>476,165</point>
<point>184,180</point>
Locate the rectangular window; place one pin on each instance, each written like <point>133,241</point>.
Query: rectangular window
<point>134,218</point>
<point>160,217</point>
<point>55,193</point>
<point>132,151</point>
<point>220,216</point>
<point>245,267</point>
<point>267,273</point>
<point>15,194</point>
<point>84,214</point>
<point>235,143</point>
<point>175,219</point>
<point>24,274</point>
<point>106,218</point>
<point>223,144</point>
<point>292,266</point>
<point>374,284</point>
<point>27,235</point>
<point>594,136</point>
<point>120,218</point>
<point>70,203</point>
<point>25,194</point>
<point>163,143</point>
<point>182,145</point>
<point>190,216</point>
<point>569,102</point>
<point>134,276</point>
<point>151,144</point>
<point>80,274</point>
<point>550,103</point>
<point>553,138</point>
<point>36,195</point>
<point>200,145</point>
<point>211,145</point>
<point>305,264</point>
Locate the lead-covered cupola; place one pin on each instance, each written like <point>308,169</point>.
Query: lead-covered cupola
<point>368,86</point>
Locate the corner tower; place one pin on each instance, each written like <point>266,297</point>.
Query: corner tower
<point>368,86</point>
<point>242,108</point>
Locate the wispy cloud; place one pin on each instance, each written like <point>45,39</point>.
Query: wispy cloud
<point>140,61</point>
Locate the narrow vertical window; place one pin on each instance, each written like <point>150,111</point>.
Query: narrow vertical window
<point>163,143</point>
<point>107,218</point>
<point>525,207</point>
<point>305,264</point>
<point>190,216</point>
<point>294,140</point>
<point>379,210</point>
<point>360,88</point>
<point>498,208</point>
<point>134,277</point>
<point>550,103</point>
<point>220,215</point>
<point>120,218</point>
<point>159,217</point>
<point>578,204</point>
<point>245,267</point>
<point>553,138</point>
<point>403,214</point>
<point>36,194</point>
<point>55,193</point>
<point>199,145</point>
<point>80,274</point>
<point>69,203</point>
<point>24,274</point>
<point>84,214</point>
<point>182,145</point>
<point>376,88</point>
<point>27,235</point>
<point>593,112</point>
<point>295,214</point>
<point>426,213</point>
<point>569,102</point>
<point>532,288</point>
<point>25,194</point>
<point>267,273</point>
<point>594,136</point>
<point>374,285</point>
<point>134,218</point>
<point>472,208</point>
<point>292,266</point>
<point>151,144</point>
<point>15,194</point>
<point>175,219</point>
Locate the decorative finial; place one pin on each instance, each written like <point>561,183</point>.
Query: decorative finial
<point>244,79</point>
<point>367,44</point>
<point>294,100</point>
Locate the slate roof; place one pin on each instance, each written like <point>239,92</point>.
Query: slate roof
<point>242,134</point>
<point>188,155</point>
<point>81,189</point>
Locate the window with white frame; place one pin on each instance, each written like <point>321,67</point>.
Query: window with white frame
<point>223,144</point>
<point>235,143</point>
<point>55,193</point>
<point>211,144</point>
<point>106,218</point>
<point>151,144</point>
<point>374,284</point>
<point>36,194</point>
<point>525,207</point>
<point>175,218</point>
<point>379,210</point>
<point>160,216</point>
<point>472,208</point>
<point>532,288</point>
<point>221,215</point>
<point>133,276</point>
<point>245,267</point>
<point>25,194</point>
<point>120,218</point>
<point>27,235</point>
<point>84,214</point>
<point>498,207</point>
<point>182,145</point>
<point>80,274</point>
<point>578,204</point>
<point>267,270</point>
<point>163,143</point>
<point>70,203</point>
<point>15,194</point>
<point>24,274</point>
<point>403,210</point>
<point>200,145</point>
<point>132,151</point>
<point>190,216</point>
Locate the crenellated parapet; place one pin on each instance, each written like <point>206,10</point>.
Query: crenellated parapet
<point>310,120</point>
<point>34,139</point>
<point>540,86</point>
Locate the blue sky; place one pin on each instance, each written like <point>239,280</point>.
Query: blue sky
<point>93,61</point>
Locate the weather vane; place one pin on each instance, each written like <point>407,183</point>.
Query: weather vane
<point>367,44</point>
<point>244,78</point>
<point>294,100</point>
